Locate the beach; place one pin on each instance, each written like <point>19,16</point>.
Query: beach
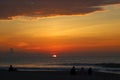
<point>55,75</point>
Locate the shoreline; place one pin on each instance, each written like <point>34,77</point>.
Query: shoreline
<point>97,69</point>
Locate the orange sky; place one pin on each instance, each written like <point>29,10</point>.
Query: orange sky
<point>99,30</point>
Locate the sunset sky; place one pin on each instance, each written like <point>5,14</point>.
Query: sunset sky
<point>60,26</point>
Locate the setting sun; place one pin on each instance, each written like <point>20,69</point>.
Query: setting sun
<point>54,56</point>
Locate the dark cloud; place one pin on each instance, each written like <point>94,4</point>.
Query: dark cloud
<point>44,8</point>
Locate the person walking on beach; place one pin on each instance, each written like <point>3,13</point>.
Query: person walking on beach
<point>73,71</point>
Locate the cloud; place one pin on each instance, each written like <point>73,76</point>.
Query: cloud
<point>45,8</point>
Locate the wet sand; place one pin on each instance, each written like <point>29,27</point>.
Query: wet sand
<point>55,75</point>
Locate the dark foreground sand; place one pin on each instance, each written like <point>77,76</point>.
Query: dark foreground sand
<point>55,75</point>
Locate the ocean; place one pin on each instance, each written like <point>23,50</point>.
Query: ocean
<point>61,63</point>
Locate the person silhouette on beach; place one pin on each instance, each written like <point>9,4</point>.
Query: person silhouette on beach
<point>90,71</point>
<point>73,71</point>
<point>82,71</point>
<point>11,68</point>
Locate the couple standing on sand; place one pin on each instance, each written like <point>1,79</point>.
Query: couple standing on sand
<point>73,71</point>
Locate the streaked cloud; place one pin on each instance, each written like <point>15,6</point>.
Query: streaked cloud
<point>45,8</point>
<point>22,44</point>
